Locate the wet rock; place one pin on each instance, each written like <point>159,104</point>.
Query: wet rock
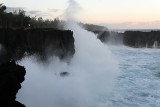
<point>63,74</point>
<point>11,77</point>
<point>136,39</point>
<point>140,39</point>
<point>42,43</point>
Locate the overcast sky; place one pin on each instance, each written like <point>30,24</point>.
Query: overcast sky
<point>113,13</point>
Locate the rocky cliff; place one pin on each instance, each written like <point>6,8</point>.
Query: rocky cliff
<point>11,77</point>
<point>136,39</point>
<point>15,44</point>
<point>109,37</point>
<point>142,39</point>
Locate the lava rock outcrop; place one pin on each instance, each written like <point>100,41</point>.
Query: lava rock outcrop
<point>15,44</point>
<point>11,77</point>
<point>140,39</point>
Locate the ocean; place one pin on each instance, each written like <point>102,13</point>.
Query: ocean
<point>138,82</point>
<point>99,75</point>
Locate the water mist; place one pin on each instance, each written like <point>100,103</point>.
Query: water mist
<point>91,74</point>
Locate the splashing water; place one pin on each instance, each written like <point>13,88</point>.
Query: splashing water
<point>92,71</point>
<point>91,75</point>
<point>72,10</point>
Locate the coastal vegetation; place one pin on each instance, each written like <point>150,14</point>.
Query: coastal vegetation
<point>19,19</point>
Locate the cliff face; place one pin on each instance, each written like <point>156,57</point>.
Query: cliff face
<point>11,77</point>
<point>142,39</point>
<point>16,44</point>
<point>40,42</point>
<point>103,35</point>
<point>134,39</point>
<point>110,37</point>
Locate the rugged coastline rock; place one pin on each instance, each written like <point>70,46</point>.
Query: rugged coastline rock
<point>11,77</point>
<point>140,39</point>
<point>16,44</point>
<point>40,42</point>
<point>136,39</point>
<point>109,37</point>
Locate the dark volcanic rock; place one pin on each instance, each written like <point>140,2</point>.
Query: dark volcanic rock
<point>63,74</point>
<point>136,39</point>
<point>103,36</point>
<point>109,37</point>
<point>142,39</point>
<point>41,42</point>
<point>11,77</point>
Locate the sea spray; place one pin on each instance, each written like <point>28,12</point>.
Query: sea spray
<point>72,10</point>
<point>91,75</point>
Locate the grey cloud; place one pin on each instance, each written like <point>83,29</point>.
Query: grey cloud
<point>12,9</point>
<point>34,12</point>
<point>38,13</point>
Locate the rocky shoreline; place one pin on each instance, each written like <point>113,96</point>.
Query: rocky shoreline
<point>135,39</point>
<point>11,77</point>
<point>15,44</point>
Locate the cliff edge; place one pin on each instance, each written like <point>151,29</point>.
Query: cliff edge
<point>15,44</point>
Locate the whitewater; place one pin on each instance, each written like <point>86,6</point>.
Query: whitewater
<point>91,75</point>
<point>138,82</point>
<point>99,75</point>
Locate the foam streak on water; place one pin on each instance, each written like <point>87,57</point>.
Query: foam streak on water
<point>138,84</point>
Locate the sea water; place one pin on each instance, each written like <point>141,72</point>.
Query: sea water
<point>92,74</point>
<point>99,76</point>
<point>138,83</point>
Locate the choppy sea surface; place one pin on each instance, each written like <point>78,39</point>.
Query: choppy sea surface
<point>138,83</point>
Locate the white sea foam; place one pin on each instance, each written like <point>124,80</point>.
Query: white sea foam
<point>92,71</point>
